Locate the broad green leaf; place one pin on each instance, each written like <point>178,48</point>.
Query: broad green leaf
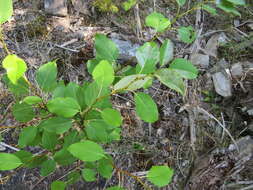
<point>36,161</point>
<point>128,4</point>
<point>24,156</point>
<point>63,157</point>
<point>20,89</point>
<point>15,67</point>
<point>105,48</point>
<point>6,10</point>
<point>96,131</point>
<point>115,188</point>
<point>187,34</point>
<point>237,2</point>
<point>146,108</point>
<point>56,125</point>
<point>171,79</point>
<point>23,112</point>
<point>103,73</point>
<point>112,117</point>
<point>228,7</point>
<point>47,167</point>
<point>157,21</point>
<point>65,107</point>
<point>32,100</point>
<point>166,52</point>
<point>71,138</point>
<point>115,135</point>
<point>131,82</point>
<point>88,174</point>
<point>91,64</point>
<point>209,9</point>
<point>37,140</point>
<point>181,2</point>
<point>80,94</point>
<point>58,185</point>
<point>147,54</point>
<point>87,151</point>
<point>46,76</point>
<point>27,136</point>
<point>49,140</point>
<point>160,175</point>
<point>73,177</point>
<point>105,167</point>
<point>184,68</point>
<point>9,161</point>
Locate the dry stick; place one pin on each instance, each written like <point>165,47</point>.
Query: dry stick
<point>3,42</point>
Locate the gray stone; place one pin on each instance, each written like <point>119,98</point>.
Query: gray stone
<point>56,7</point>
<point>222,84</point>
<point>250,112</point>
<point>236,70</point>
<point>200,60</point>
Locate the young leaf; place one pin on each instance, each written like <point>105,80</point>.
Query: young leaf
<point>15,67</point>
<point>63,157</point>
<point>184,68</point>
<point>49,140</point>
<point>103,73</point>
<point>187,34</point>
<point>105,48</point>
<point>9,161</point>
<point>87,151</point>
<point>115,188</point>
<point>23,112</point>
<point>6,10</point>
<point>209,9</point>
<point>148,53</point>
<point>171,79</point>
<point>30,100</point>
<point>112,117</point>
<point>88,174</point>
<point>166,52</point>
<point>47,167</point>
<point>146,108</point>
<point>27,136</point>
<point>181,2</point>
<point>160,175</point>
<point>46,76</point>
<point>65,107</point>
<point>105,167</point>
<point>128,4</point>
<point>157,21</point>
<point>56,125</point>
<point>58,185</point>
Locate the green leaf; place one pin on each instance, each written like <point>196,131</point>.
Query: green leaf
<point>146,108</point>
<point>166,52</point>
<point>80,94</point>
<point>105,48</point>
<point>89,175</point>
<point>9,161</point>
<point>115,188</point>
<point>27,136</point>
<point>147,54</point>
<point>49,140</point>
<point>181,2</point>
<point>237,2</point>
<point>157,21</point>
<point>58,185</point>
<point>112,117</point>
<point>171,79</point>
<point>30,100</point>
<point>6,10</point>
<point>132,82</point>
<point>228,7</point>
<point>15,67</point>
<point>23,112</point>
<point>65,107</point>
<point>24,156</point>
<point>128,4</point>
<point>56,125</point>
<point>47,167</point>
<point>87,151</point>
<point>105,167</point>
<point>73,177</point>
<point>96,131</point>
<point>36,161</point>
<point>209,9</point>
<point>63,157</point>
<point>103,73</point>
<point>187,34</point>
<point>160,175</point>
<point>46,76</point>
<point>184,68</point>
<point>71,138</point>
<point>91,64</point>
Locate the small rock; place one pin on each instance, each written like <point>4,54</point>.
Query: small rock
<point>81,6</point>
<point>250,112</point>
<point>250,26</point>
<point>200,60</point>
<point>245,146</point>
<point>222,84</point>
<point>236,70</point>
<point>213,43</point>
<point>56,7</point>
<point>127,50</point>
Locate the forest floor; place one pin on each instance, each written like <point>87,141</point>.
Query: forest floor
<point>195,134</point>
